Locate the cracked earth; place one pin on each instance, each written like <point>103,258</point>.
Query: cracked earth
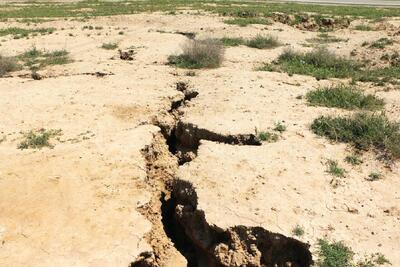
<point>158,168</point>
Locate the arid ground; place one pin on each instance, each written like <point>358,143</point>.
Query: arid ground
<point>111,155</point>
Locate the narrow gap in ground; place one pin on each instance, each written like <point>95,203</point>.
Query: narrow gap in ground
<point>177,235</point>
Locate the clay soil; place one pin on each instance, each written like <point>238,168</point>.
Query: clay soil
<point>90,199</point>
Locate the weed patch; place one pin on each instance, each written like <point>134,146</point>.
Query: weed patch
<point>232,41</point>
<point>334,169</point>
<point>268,137</point>
<point>376,259</point>
<point>319,63</point>
<point>260,42</point>
<point>343,96</point>
<point>379,76</point>
<point>38,139</point>
<point>280,127</point>
<point>36,59</point>
<point>361,130</point>
<point>374,176</point>
<point>18,33</point>
<point>322,64</point>
<point>354,160</point>
<point>298,231</point>
<point>334,254</point>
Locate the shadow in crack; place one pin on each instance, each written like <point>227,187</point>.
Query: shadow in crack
<point>175,232</point>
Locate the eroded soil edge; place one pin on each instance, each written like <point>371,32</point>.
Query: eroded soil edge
<point>178,224</point>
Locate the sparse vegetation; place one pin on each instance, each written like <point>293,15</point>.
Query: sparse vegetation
<point>373,176</point>
<point>363,27</point>
<point>36,59</point>
<point>319,63</point>
<point>268,137</point>
<point>379,76</point>
<point>298,231</point>
<point>376,259</point>
<point>206,53</point>
<point>334,169</point>
<point>22,33</point>
<point>246,21</point>
<point>354,159</point>
<point>7,64</point>
<point>380,259</point>
<point>109,46</point>
<point>361,130</point>
<point>232,41</point>
<point>343,96</point>
<point>322,64</point>
<point>324,38</point>
<point>251,9</point>
<point>334,254</point>
<point>280,127</point>
<point>262,42</point>
<point>38,139</point>
<point>381,43</point>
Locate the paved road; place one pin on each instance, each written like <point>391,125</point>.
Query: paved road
<point>394,3</point>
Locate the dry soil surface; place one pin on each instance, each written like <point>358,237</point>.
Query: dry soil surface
<point>83,202</point>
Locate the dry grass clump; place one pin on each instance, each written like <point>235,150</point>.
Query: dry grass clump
<point>7,64</point>
<point>205,53</point>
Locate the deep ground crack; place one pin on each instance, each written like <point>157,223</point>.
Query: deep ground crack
<point>178,224</point>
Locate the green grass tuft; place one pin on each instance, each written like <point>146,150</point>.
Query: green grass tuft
<point>354,159</point>
<point>334,169</point>
<point>268,137</point>
<point>260,42</point>
<point>298,231</point>
<point>38,139</point>
<point>343,96</point>
<point>362,130</point>
<point>334,254</point>
<point>374,176</point>
<point>319,63</point>
<point>280,127</point>
<point>232,41</point>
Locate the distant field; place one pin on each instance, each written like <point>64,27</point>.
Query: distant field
<point>69,8</point>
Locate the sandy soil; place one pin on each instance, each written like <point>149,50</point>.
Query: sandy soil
<point>79,203</point>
